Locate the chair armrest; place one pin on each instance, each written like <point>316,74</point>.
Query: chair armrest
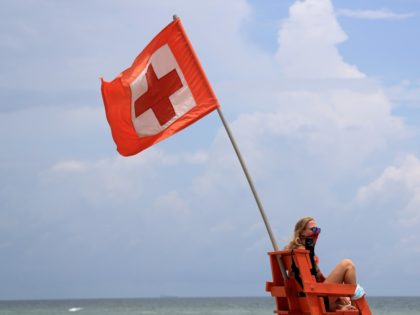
<point>268,286</point>
<point>278,291</point>
<point>329,289</point>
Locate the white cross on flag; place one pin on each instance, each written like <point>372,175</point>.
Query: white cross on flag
<point>164,91</point>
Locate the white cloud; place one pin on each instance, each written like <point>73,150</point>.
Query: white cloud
<point>114,180</point>
<point>381,14</point>
<point>406,93</point>
<point>307,43</point>
<point>400,186</point>
<point>326,121</point>
<point>222,228</point>
<point>78,61</point>
<point>69,166</point>
<point>173,204</point>
<point>388,208</point>
<point>343,120</point>
<point>318,130</point>
<point>199,157</point>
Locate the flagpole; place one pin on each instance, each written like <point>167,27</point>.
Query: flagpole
<point>244,168</point>
<point>250,182</point>
<point>254,192</point>
<point>248,177</point>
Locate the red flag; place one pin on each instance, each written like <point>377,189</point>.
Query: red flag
<point>164,91</point>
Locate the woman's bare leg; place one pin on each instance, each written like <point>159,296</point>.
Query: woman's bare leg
<point>344,272</point>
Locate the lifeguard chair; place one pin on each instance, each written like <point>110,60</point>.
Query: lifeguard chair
<point>296,291</point>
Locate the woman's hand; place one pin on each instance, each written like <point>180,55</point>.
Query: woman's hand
<point>344,303</point>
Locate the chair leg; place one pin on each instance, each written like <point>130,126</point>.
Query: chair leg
<point>315,305</point>
<point>363,306</point>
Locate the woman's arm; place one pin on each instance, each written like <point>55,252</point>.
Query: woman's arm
<point>321,277</point>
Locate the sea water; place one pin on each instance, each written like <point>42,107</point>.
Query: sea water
<point>185,306</point>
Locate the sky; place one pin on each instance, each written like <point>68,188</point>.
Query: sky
<point>323,98</point>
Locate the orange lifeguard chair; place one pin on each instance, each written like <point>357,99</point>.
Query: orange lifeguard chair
<point>298,293</point>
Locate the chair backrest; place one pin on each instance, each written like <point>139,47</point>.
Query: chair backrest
<point>300,293</point>
<point>287,293</point>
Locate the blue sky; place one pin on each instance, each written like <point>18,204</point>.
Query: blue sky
<point>322,96</point>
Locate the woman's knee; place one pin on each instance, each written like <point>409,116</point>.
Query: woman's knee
<point>347,264</point>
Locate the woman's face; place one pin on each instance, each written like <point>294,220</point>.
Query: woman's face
<point>307,231</point>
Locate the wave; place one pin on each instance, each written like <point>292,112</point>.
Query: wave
<point>75,309</point>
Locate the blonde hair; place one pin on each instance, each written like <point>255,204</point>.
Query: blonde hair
<point>299,228</point>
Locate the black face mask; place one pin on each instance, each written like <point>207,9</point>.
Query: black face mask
<point>310,241</point>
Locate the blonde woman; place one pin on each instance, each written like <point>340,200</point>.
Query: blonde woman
<point>306,232</point>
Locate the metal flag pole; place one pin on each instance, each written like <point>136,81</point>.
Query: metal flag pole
<point>248,177</point>
<point>254,191</point>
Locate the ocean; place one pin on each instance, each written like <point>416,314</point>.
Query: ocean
<point>184,306</point>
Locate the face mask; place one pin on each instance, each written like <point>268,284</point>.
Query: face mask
<point>310,241</point>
